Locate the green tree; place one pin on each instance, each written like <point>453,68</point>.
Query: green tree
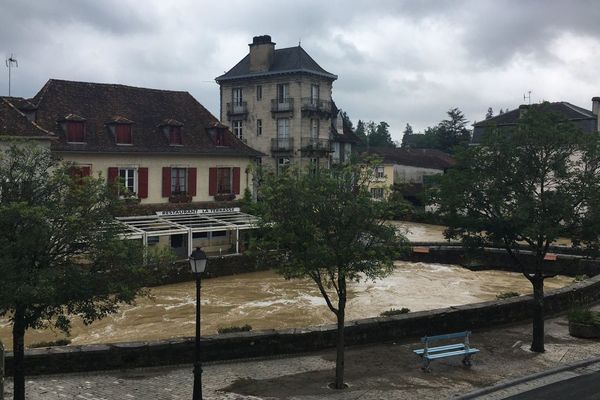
<point>526,186</point>
<point>489,114</point>
<point>378,135</point>
<point>346,121</point>
<point>361,131</point>
<point>60,252</point>
<point>453,131</point>
<point>328,228</point>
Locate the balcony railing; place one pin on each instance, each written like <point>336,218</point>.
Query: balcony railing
<point>315,144</point>
<point>316,105</point>
<point>282,105</point>
<point>238,108</point>
<point>282,144</point>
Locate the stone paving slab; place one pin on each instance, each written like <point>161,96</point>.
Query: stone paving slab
<point>382,371</point>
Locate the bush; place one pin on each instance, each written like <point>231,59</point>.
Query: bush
<point>59,342</point>
<point>393,311</point>
<point>584,316</point>
<point>231,329</point>
<point>507,295</point>
<point>580,278</point>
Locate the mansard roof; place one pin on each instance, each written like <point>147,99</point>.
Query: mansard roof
<point>285,61</point>
<point>100,104</point>
<point>14,123</point>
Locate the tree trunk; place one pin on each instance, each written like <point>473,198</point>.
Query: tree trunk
<point>339,360</point>
<point>537,343</point>
<point>19,354</point>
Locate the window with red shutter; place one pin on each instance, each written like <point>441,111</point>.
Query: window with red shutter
<point>124,134</point>
<point>212,181</point>
<point>191,181</point>
<point>236,180</point>
<point>166,181</point>
<point>143,183</point>
<point>75,131</point>
<point>175,136</point>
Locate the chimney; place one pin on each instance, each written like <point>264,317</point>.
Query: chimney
<point>261,53</point>
<point>596,111</point>
<point>523,110</point>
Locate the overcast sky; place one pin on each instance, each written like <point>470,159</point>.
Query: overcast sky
<point>396,61</point>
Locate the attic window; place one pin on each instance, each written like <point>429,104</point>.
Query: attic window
<point>175,136</point>
<point>75,131</point>
<point>123,134</point>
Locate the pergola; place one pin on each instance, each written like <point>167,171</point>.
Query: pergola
<point>167,224</point>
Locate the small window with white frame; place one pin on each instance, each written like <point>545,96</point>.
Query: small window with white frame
<point>379,172</point>
<point>377,193</point>
<point>128,177</point>
<point>258,92</point>
<point>282,164</point>
<point>178,180</point>
<point>314,128</point>
<point>258,127</point>
<point>237,129</point>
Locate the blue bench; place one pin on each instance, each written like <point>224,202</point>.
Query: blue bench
<point>463,349</point>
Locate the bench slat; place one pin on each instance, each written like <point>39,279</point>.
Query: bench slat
<point>447,336</point>
<point>440,348</point>
<point>451,354</point>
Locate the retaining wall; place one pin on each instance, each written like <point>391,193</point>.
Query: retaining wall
<point>272,342</point>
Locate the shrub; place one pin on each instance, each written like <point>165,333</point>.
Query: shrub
<point>584,316</point>
<point>507,295</point>
<point>393,311</point>
<point>230,329</point>
<point>580,278</point>
<point>59,342</point>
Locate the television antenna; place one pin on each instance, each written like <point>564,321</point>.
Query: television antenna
<point>527,97</point>
<point>10,61</point>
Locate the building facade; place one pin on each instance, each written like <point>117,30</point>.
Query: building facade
<point>279,102</point>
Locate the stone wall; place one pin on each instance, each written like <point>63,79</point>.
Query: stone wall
<point>271,342</point>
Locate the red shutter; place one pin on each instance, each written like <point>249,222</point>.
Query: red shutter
<point>236,180</point>
<point>191,181</point>
<point>143,183</point>
<point>124,134</point>
<point>166,182</point>
<point>212,181</point>
<point>75,131</point>
<point>85,171</point>
<point>113,173</point>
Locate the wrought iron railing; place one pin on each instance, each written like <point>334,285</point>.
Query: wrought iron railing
<point>237,108</point>
<point>315,144</point>
<point>282,105</point>
<point>313,104</point>
<point>282,144</point>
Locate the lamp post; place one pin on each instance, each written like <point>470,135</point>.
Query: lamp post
<point>198,264</point>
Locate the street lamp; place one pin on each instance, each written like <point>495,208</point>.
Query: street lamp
<point>198,264</point>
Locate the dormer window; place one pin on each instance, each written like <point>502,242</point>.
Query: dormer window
<point>75,130</point>
<point>123,134</point>
<point>175,136</point>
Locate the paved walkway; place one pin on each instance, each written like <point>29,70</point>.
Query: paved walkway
<point>383,371</point>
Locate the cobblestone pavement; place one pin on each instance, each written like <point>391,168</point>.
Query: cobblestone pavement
<point>382,371</point>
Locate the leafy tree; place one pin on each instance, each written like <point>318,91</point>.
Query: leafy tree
<point>526,186</point>
<point>407,137</point>
<point>490,113</point>
<point>347,123</point>
<point>378,135</point>
<point>361,131</point>
<point>328,228</point>
<point>60,253</point>
<point>453,131</point>
<point>408,130</point>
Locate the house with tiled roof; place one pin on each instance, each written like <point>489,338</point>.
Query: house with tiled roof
<point>587,120</point>
<point>405,169</point>
<point>279,102</point>
<point>16,127</point>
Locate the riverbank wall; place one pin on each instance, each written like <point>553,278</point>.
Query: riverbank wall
<point>400,328</point>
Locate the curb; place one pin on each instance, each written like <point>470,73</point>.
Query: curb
<point>518,381</point>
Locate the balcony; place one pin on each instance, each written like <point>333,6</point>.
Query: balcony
<point>282,105</point>
<point>282,145</point>
<point>237,109</point>
<point>312,106</point>
<point>310,144</point>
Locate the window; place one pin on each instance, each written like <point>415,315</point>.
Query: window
<point>153,240</point>
<point>258,127</point>
<point>177,241</point>
<point>236,96</point>
<point>258,92</point>
<point>175,135</point>
<point>379,172</point>
<point>282,164</point>
<point>377,193</point>
<point>200,235</point>
<point>314,94</point>
<point>75,131</point>
<point>314,128</point>
<point>313,167</point>
<point>237,129</point>
<point>224,181</point>
<point>127,178</point>
<point>123,134</point>
<point>178,180</point>
<point>283,92</point>
<point>218,233</point>
<point>283,128</point>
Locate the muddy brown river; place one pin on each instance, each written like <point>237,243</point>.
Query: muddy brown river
<point>265,300</point>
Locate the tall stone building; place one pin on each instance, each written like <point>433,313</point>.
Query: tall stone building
<point>278,101</point>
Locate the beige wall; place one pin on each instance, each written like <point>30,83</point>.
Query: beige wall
<point>299,87</point>
<point>101,162</point>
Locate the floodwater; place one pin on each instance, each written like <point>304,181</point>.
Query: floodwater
<point>417,232</point>
<point>265,300</point>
